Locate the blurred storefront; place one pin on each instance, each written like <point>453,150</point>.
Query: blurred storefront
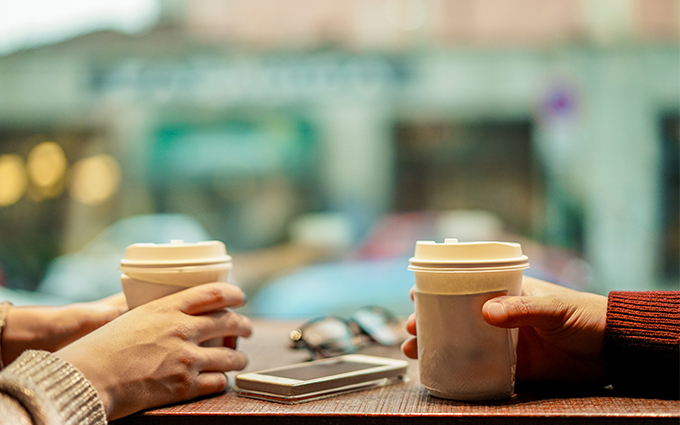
<point>559,118</point>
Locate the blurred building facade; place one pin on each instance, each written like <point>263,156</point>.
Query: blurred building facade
<point>559,117</point>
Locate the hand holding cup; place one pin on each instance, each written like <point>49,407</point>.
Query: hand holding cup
<point>153,354</point>
<point>152,271</point>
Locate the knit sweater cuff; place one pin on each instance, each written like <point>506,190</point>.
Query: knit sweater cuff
<point>51,390</point>
<point>642,342</point>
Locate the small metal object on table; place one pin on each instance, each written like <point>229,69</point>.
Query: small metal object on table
<point>402,403</point>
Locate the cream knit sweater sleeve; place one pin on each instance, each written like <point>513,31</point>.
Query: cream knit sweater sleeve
<point>40,388</point>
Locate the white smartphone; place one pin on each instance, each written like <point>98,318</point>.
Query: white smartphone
<point>320,378</point>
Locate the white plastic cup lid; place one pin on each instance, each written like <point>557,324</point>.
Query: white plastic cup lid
<point>454,255</point>
<point>173,254</point>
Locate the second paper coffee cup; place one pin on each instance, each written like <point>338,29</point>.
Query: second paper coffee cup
<point>462,357</point>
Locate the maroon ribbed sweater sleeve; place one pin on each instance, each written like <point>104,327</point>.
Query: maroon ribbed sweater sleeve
<point>642,343</point>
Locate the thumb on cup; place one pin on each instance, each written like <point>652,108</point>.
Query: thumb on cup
<point>517,311</point>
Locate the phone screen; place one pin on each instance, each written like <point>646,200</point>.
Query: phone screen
<point>314,371</point>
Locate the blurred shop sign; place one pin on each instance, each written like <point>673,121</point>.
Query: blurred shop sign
<point>244,79</point>
<point>185,154</point>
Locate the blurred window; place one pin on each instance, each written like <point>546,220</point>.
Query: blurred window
<point>244,179</point>
<point>32,226</point>
<point>485,165</point>
<point>670,208</point>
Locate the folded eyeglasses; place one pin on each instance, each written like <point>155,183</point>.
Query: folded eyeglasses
<point>332,336</point>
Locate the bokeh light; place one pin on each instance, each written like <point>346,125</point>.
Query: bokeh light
<point>13,180</point>
<point>46,168</point>
<point>95,179</point>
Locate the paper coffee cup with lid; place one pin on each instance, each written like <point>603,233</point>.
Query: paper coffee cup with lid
<point>461,356</point>
<point>151,271</point>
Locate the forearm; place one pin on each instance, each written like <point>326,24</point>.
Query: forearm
<point>52,328</point>
<point>642,342</point>
<point>25,329</point>
<point>40,388</point>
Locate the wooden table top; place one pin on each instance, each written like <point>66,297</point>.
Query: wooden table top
<point>402,403</point>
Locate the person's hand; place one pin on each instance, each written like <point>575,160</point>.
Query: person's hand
<point>51,328</point>
<point>561,333</point>
<point>151,355</point>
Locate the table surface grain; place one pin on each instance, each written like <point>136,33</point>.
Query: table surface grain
<point>405,402</point>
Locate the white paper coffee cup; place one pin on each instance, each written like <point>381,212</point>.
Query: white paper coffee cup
<point>461,356</point>
<point>152,271</point>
